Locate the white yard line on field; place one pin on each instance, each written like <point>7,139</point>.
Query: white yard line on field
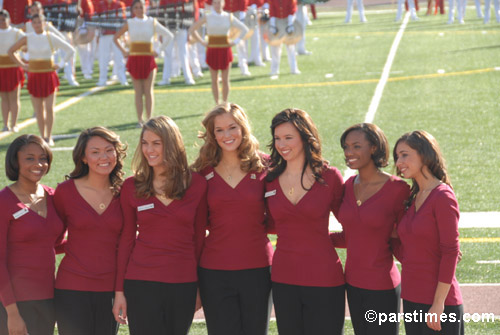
<point>379,90</point>
<point>58,108</point>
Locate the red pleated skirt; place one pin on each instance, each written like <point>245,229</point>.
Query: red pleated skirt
<point>140,67</point>
<point>11,77</point>
<point>42,84</point>
<point>219,58</point>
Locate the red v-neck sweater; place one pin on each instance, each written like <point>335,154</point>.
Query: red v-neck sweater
<point>92,242</point>
<point>304,252</point>
<point>236,223</point>
<point>429,239</point>
<point>367,233</point>
<point>162,243</point>
<point>27,255</point>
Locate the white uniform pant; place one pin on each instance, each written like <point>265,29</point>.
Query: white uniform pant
<point>361,10</point>
<point>194,62</point>
<point>107,48</point>
<point>254,43</point>
<point>496,4</point>
<point>411,8</point>
<point>180,40</point>
<point>301,16</point>
<point>264,47</point>
<point>276,58</point>
<point>460,6</point>
<point>86,58</point>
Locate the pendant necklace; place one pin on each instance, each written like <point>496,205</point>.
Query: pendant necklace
<point>229,176</point>
<point>291,190</point>
<point>102,205</point>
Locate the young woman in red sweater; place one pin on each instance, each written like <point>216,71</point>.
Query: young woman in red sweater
<point>89,205</point>
<point>301,191</point>
<point>372,205</point>
<point>234,271</point>
<point>165,214</point>
<point>29,230</point>
<point>429,238</point>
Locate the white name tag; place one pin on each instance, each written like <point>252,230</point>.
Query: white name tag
<point>209,176</point>
<point>270,194</point>
<point>20,213</point>
<point>253,176</point>
<point>145,207</point>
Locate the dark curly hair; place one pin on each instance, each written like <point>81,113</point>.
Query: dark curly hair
<point>310,139</point>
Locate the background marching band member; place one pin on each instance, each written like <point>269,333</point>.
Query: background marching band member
<point>180,41</point>
<point>301,191</point>
<point>487,13</point>
<point>255,55</point>
<point>303,19</point>
<point>234,283</point>
<point>17,11</point>
<point>429,238</point>
<point>88,204</point>
<point>165,214</point>
<point>11,73</point>
<point>361,10</point>
<point>141,58</point>
<point>372,205</point>
<point>42,77</point>
<point>219,53</point>
<point>282,10</point>
<point>412,7</point>
<point>106,47</point>
<point>29,230</point>
<point>86,50</point>
<point>238,9</point>
<point>264,47</point>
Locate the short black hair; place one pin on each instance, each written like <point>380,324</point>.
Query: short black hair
<point>11,159</point>
<point>376,137</point>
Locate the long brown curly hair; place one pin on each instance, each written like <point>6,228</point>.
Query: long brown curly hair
<point>211,153</point>
<point>82,169</point>
<point>310,139</point>
<point>176,172</point>
<point>428,149</point>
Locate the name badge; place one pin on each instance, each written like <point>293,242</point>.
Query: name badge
<point>20,213</point>
<point>145,207</point>
<point>270,194</point>
<point>209,176</point>
<point>253,176</point>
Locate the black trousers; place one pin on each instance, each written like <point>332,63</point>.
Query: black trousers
<point>447,327</point>
<point>236,302</point>
<point>85,313</point>
<point>159,308</point>
<point>380,301</point>
<point>38,315</point>
<point>308,310</point>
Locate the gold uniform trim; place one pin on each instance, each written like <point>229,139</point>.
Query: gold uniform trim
<point>40,65</point>
<point>6,62</point>
<point>218,41</point>
<point>141,49</point>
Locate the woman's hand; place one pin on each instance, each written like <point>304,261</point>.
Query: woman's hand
<point>15,323</point>
<point>120,308</point>
<point>433,322</point>
<point>56,67</point>
<point>125,54</point>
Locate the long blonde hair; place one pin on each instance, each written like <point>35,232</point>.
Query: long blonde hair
<point>211,153</point>
<point>175,161</point>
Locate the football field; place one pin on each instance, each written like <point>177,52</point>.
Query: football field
<point>402,76</point>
